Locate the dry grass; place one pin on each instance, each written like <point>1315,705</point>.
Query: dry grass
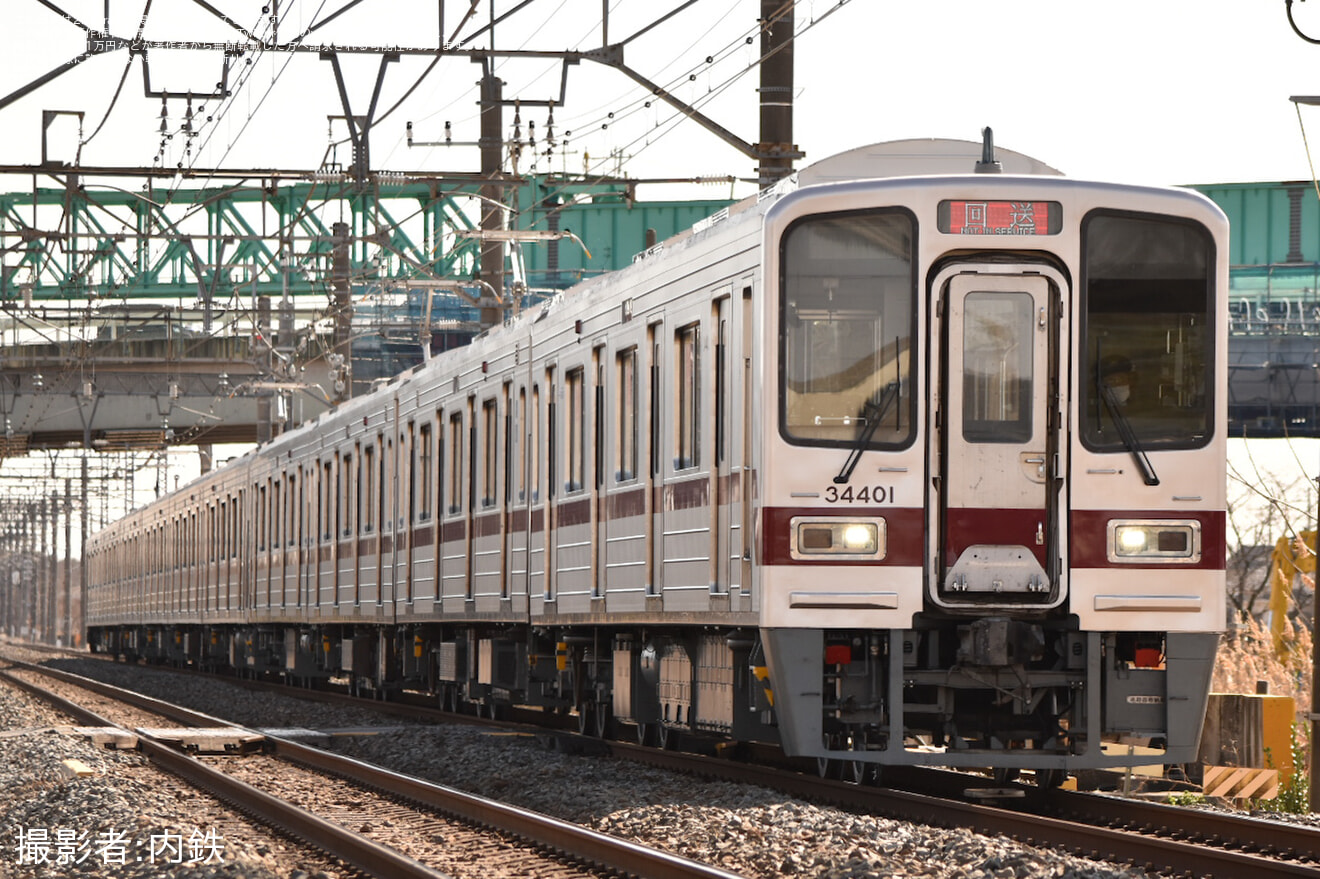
<point>1246,655</point>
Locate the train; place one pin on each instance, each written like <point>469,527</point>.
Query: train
<point>915,458</point>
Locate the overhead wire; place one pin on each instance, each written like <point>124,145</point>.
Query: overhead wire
<point>679,116</point>
<point>650,136</point>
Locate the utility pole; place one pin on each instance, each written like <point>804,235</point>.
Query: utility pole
<point>68,563</point>
<point>49,563</point>
<point>777,150</point>
<point>261,353</point>
<point>491,264</point>
<point>342,288</point>
<point>83,569</point>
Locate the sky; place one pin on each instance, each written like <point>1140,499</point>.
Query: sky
<point>1147,92</point>
<point>1164,92</point>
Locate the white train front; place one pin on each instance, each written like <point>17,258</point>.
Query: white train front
<point>889,469</point>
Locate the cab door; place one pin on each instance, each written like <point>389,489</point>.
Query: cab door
<point>998,430</point>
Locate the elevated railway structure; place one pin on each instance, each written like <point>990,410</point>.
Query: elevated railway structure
<point>1274,309</point>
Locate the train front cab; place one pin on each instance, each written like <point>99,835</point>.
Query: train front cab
<point>1003,546</point>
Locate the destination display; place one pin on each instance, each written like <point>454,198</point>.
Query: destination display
<point>1000,217</point>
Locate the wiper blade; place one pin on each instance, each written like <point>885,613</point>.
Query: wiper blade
<point>872,413</point>
<point>1127,434</point>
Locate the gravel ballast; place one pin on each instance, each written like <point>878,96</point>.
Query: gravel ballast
<point>747,830</point>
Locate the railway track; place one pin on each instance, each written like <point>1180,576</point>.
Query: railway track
<point>1158,837</point>
<point>370,806</point>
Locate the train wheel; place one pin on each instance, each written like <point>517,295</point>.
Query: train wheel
<point>1049,779</point>
<point>602,717</point>
<point>824,767</point>
<point>584,718</point>
<point>643,734</point>
<point>1006,775</point>
<point>665,738</point>
<point>855,771</point>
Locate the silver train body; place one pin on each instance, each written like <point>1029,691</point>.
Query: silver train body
<point>888,469</point>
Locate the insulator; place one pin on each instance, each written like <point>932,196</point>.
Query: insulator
<point>531,132</point>
<point>447,131</point>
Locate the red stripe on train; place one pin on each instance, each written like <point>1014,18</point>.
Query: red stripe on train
<point>1088,536</point>
<point>905,538</point>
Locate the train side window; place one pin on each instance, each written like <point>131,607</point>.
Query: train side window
<point>355,507</point>
<point>263,512</point>
<point>276,514</point>
<point>344,496</point>
<point>328,509</point>
<point>368,489</point>
<point>687,397</point>
<point>1148,309</point>
<point>575,426</point>
<point>455,462</point>
<point>316,516</point>
<point>489,452</point>
<point>292,503</point>
<point>424,475</point>
<point>847,306</point>
<point>625,442</point>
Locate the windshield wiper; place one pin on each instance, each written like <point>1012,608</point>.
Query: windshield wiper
<point>872,414</point>
<point>1127,434</point>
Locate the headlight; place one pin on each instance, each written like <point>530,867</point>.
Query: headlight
<point>1162,541</point>
<point>837,538</point>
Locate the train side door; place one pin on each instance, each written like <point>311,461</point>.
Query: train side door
<point>998,431</point>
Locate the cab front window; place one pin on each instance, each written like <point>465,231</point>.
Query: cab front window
<point>1147,365</point>
<point>846,316</point>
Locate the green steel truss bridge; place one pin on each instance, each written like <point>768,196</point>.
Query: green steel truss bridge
<point>100,242</point>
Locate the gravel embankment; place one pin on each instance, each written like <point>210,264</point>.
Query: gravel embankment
<point>126,819</point>
<point>746,830</point>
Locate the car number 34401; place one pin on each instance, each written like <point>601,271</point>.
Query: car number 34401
<point>863,494</point>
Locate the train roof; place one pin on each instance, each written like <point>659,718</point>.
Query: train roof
<point>916,157</point>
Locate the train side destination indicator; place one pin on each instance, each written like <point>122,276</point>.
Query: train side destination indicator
<point>1000,217</point>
